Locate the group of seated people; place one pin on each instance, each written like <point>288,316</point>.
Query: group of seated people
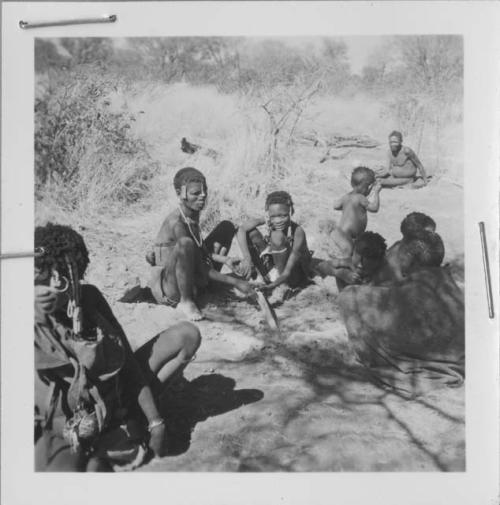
<point>102,412</point>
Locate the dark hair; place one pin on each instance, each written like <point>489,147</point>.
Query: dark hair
<point>55,241</point>
<point>397,134</point>
<point>414,224</point>
<point>186,175</point>
<point>362,174</point>
<point>370,245</point>
<point>427,250</point>
<point>279,197</point>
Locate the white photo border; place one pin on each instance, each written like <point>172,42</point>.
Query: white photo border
<point>478,23</point>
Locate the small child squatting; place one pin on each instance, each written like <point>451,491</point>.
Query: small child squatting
<point>281,256</point>
<point>183,262</point>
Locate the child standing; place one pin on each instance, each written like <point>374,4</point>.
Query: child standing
<point>354,206</point>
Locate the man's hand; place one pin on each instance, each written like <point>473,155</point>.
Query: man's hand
<point>46,298</point>
<point>157,442</point>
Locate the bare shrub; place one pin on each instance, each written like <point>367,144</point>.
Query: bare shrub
<point>85,153</point>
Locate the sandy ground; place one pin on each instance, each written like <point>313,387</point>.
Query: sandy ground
<point>259,402</point>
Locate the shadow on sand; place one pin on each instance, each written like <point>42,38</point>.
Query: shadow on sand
<point>188,403</point>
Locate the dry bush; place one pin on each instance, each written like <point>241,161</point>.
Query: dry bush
<point>85,155</point>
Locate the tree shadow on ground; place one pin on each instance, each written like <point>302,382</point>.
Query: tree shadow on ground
<point>188,403</point>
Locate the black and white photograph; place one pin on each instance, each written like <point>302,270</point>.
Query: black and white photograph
<point>249,254</point>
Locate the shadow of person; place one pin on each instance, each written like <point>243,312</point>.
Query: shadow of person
<point>188,403</point>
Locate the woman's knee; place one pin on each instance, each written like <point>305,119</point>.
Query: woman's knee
<point>190,337</point>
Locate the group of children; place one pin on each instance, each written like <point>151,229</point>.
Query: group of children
<point>103,412</point>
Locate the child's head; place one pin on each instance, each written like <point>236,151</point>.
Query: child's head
<point>362,179</point>
<point>369,253</point>
<point>415,223</point>
<point>55,246</point>
<point>191,187</point>
<point>279,209</point>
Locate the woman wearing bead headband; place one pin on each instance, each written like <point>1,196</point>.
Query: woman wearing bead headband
<point>100,394</point>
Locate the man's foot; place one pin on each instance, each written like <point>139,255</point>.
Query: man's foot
<point>190,309</point>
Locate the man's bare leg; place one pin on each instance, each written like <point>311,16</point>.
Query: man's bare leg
<point>179,279</point>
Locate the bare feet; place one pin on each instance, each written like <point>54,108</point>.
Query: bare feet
<point>190,309</point>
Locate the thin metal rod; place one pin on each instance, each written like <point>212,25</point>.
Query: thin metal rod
<point>25,25</point>
<point>26,254</point>
<point>486,266</point>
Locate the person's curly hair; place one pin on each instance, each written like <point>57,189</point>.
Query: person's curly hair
<point>427,250</point>
<point>53,242</point>
<point>186,175</point>
<point>415,224</point>
<point>361,174</point>
<point>281,197</point>
<point>370,245</point>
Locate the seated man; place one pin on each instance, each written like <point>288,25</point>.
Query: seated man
<point>183,262</point>
<point>100,398</point>
<point>403,164</point>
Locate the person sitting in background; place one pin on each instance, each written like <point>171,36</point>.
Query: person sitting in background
<point>420,246</point>
<point>183,262</point>
<point>100,395</point>
<point>280,255</point>
<point>402,165</point>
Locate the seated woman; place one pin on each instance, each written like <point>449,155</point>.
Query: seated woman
<point>99,395</point>
<point>408,334</point>
<point>420,246</point>
<point>281,256</point>
<point>403,164</point>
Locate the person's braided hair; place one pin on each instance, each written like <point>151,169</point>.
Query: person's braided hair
<point>279,197</point>
<point>415,224</point>
<point>53,242</point>
<point>370,245</point>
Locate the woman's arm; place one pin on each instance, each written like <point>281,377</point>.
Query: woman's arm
<point>241,237</point>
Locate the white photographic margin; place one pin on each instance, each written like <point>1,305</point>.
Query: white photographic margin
<point>479,23</point>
